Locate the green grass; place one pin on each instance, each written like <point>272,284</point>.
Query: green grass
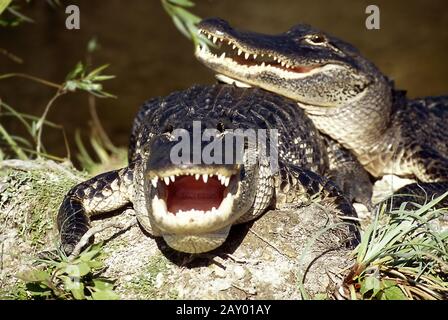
<point>404,257</point>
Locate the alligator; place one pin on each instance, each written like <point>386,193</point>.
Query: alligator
<point>193,203</point>
<point>345,95</point>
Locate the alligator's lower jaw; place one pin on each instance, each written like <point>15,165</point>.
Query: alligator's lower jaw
<point>229,80</point>
<point>197,243</point>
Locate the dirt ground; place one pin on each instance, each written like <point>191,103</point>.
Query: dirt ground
<point>265,259</point>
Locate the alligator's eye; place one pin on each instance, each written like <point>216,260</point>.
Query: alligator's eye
<point>168,129</point>
<point>220,126</point>
<point>317,39</point>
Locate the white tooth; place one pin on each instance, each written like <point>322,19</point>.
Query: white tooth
<point>213,209</point>
<point>209,36</point>
<point>223,55</point>
<point>263,64</point>
<point>172,178</point>
<point>246,55</point>
<point>233,46</point>
<point>214,39</point>
<point>255,56</point>
<point>288,66</point>
<point>196,176</point>
<point>205,178</point>
<point>226,183</point>
<point>154,182</point>
<point>283,63</point>
<point>240,51</point>
<point>167,180</point>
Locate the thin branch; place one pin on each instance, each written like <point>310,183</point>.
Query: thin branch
<point>33,78</point>
<point>40,124</point>
<point>11,56</point>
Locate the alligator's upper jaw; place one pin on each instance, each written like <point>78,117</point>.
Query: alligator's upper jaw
<point>236,59</point>
<point>193,208</point>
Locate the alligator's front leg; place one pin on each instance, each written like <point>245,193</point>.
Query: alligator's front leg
<point>104,193</point>
<point>348,173</point>
<point>296,185</point>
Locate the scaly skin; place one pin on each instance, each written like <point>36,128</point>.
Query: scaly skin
<point>345,95</point>
<point>159,189</point>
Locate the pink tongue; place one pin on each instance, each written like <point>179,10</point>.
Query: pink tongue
<point>187,193</point>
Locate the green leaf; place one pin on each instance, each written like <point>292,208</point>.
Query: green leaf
<point>183,3</point>
<point>370,283</point>
<point>103,77</point>
<point>321,296</point>
<point>39,290</point>
<point>388,283</point>
<point>78,292</point>
<point>394,293</point>
<point>34,276</point>
<point>79,68</point>
<point>77,270</point>
<point>105,295</point>
<point>71,283</point>
<point>102,284</point>
<point>187,16</point>
<point>3,5</point>
<point>95,72</point>
<point>181,27</point>
<point>88,255</point>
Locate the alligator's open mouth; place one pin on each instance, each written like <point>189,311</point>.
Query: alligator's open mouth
<point>194,200</point>
<point>232,54</point>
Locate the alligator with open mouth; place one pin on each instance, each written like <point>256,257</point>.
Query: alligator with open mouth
<point>193,204</point>
<point>344,94</point>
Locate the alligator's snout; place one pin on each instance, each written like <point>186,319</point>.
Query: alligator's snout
<point>191,196</point>
<point>216,24</point>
